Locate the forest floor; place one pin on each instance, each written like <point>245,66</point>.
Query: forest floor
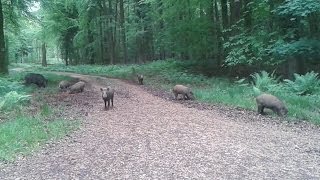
<point>148,135</point>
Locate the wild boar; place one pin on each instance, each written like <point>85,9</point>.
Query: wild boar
<point>271,102</point>
<point>77,87</point>
<point>64,85</point>
<point>107,95</point>
<point>36,79</point>
<point>140,78</point>
<point>185,91</point>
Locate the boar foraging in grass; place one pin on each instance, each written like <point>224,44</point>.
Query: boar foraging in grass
<point>36,79</point>
<point>77,87</point>
<point>185,91</point>
<point>107,95</point>
<point>140,78</point>
<point>271,102</point>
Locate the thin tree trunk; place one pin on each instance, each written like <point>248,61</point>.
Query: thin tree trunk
<point>219,34</point>
<point>123,33</point>
<point>44,55</point>
<point>3,63</point>
<point>101,36</point>
<point>224,10</point>
<point>247,15</point>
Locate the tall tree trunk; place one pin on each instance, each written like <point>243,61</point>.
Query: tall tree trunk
<point>123,33</point>
<point>247,14</point>
<point>3,63</point>
<point>235,11</point>
<point>224,9</point>
<point>110,34</point>
<point>44,55</point>
<point>66,56</point>
<point>101,36</point>
<point>219,35</point>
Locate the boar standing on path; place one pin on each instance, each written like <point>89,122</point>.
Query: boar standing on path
<point>36,79</point>
<point>140,79</point>
<point>185,91</point>
<point>77,87</point>
<point>271,102</point>
<point>107,95</point>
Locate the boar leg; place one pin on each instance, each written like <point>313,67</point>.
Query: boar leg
<point>260,109</point>
<point>105,104</point>
<point>277,111</point>
<point>176,96</point>
<point>112,101</point>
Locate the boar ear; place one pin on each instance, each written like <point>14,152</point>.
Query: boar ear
<point>101,89</point>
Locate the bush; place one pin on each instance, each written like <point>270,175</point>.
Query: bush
<point>304,84</point>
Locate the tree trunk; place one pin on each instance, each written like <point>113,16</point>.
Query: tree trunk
<point>66,57</point>
<point>44,55</point>
<point>224,9</point>
<point>236,11</point>
<point>219,35</point>
<point>123,33</point>
<point>3,63</point>
<point>247,15</point>
<point>111,35</point>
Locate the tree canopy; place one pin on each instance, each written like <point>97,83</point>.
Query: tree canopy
<point>234,36</point>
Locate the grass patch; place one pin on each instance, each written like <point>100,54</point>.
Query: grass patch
<point>165,74</point>
<point>24,134</point>
<point>22,131</point>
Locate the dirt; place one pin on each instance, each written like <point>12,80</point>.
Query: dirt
<point>148,135</point>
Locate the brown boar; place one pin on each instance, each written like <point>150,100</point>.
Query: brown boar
<point>107,95</point>
<point>271,102</point>
<point>185,91</point>
<point>64,85</point>
<point>140,78</point>
<point>77,87</point>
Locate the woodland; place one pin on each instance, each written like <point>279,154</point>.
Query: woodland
<point>226,51</point>
<point>222,37</point>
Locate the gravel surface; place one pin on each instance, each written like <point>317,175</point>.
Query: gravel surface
<point>150,137</point>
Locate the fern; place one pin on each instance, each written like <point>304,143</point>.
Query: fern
<point>304,84</point>
<point>12,99</point>
<point>265,81</point>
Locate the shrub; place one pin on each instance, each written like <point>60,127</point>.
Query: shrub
<point>304,84</point>
<point>265,81</point>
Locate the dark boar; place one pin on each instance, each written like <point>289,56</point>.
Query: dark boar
<point>36,79</point>
<point>140,79</point>
<point>185,91</point>
<point>271,102</point>
<point>77,87</point>
<point>107,95</point>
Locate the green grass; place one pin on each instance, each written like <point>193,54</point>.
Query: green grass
<point>165,74</point>
<point>22,132</point>
<point>25,134</point>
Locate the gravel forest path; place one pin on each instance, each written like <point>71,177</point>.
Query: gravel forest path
<point>148,137</point>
